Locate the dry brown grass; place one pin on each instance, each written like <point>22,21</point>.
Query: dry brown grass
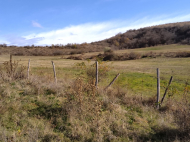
<point>77,111</point>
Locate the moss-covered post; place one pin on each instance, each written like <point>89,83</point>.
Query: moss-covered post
<point>170,81</point>
<point>96,74</point>
<point>54,72</point>
<point>28,69</point>
<point>11,65</point>
<point>158,88</point>
<point>112,81</point>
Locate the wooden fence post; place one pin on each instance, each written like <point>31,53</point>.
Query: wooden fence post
<point>11,65</point>
<point>96,74</point>
<point>170,81</point>
<point>28,69</point>
<point>54,72</point>
<point>158,88</point>
<point>112,82</point>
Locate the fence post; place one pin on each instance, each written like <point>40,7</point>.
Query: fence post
<point>112,82</point>
<point>96,74</point>
<point>166,89</point>
<point>54,72</point>
<point>158,88</point>
<point>11,65</point>
<point>28,69</point>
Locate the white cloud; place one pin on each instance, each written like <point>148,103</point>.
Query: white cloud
<point>90,32</point>
<point>2,40</point>
<point>75,34</point>
<point>17,40</point>
<point>36,24</point>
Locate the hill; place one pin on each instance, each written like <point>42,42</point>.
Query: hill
<point>173,33</point>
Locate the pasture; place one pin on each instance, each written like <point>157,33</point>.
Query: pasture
<point>137,75</point>
<point>36,109</point>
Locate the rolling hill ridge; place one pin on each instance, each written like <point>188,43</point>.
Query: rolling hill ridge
<point>173,33</point>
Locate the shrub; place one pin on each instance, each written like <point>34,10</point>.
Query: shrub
<point>55,53</point>
<point>109,55</point>
<point>12,71</point>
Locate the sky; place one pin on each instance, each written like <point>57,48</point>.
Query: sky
<point>47,22</point>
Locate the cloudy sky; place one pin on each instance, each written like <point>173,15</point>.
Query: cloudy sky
<point>46,22</point>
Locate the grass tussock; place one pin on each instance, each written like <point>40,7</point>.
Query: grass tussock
<point>36,109</point>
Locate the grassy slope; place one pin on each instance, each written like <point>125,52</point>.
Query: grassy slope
<point>126,111</point>
<point>161,48</point>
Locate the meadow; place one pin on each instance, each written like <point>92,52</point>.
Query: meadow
<point>37,109</point>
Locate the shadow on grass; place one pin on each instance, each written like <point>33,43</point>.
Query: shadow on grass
<point>54,112</point>
<point>47,111</point>
<point>57,116</point>
<point>167,135</point>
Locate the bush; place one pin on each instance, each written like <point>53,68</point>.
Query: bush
<point>109,55</point>
<point>12,71</point>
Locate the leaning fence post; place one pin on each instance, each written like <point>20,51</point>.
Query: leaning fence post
<point>158,88</point>
<point>166,89</point>
<point>112,82</point>
<point>96,74</point>
<point>54,72</point>
<point>28,69</point>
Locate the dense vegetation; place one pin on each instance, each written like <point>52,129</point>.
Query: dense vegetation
<point>152,36</point>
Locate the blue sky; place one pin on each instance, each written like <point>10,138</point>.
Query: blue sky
<point>46,22</point>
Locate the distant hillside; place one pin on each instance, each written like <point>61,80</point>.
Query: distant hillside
<point>174,33</point>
